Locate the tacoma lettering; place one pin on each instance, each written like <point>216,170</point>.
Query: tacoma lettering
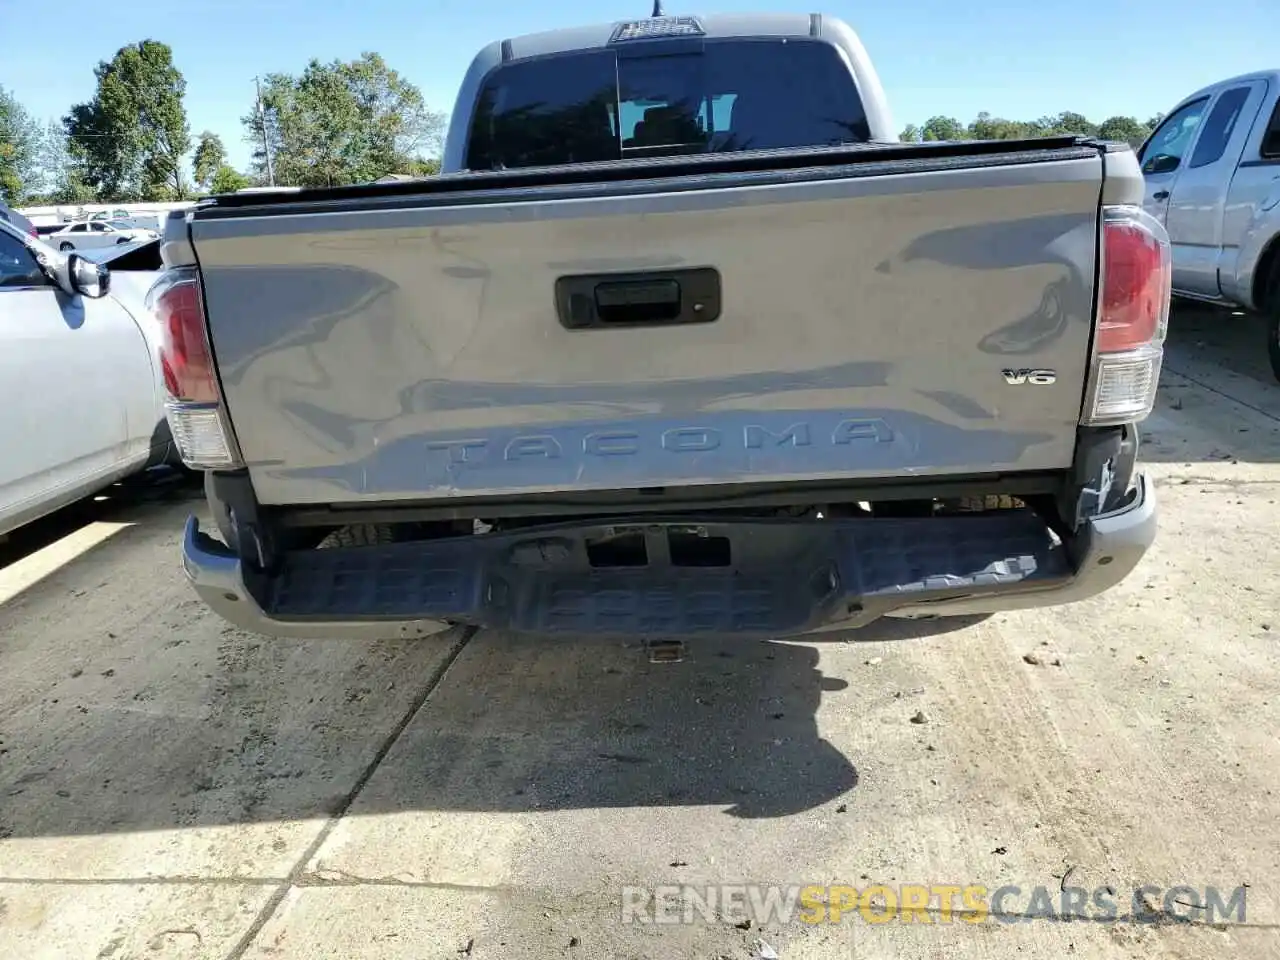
<point>677,440</point>
<point>546,447</point>
<point>755,437</point>
<point>458,449</point>
<point>619,444</point>
<point>691,439</point>
<point>849,430</point>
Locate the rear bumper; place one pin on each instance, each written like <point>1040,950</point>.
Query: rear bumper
<point>789,577</point>
<point>1110,547</point>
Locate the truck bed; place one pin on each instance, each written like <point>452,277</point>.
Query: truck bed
<point>873,312</point>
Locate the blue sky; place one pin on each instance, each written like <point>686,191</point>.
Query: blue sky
<point>1016,58</point>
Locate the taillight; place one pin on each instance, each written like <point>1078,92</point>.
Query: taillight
<point>194,405</point>
<point>1133,315</point>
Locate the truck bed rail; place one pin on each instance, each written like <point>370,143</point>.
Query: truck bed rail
<point>698,172</point>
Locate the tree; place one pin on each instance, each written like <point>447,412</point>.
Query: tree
<point>340,123</point>
<point>64,177</point>
<point>226,179</point>
<point>1068,122</point>
<point>132,136</point>
<point>210,158</point>
<point>421,168</point>
<point>942,128</point>
<point>987,127</point>
<point>20,144</point>
<point>1124,129</point>
<point>910,134</point>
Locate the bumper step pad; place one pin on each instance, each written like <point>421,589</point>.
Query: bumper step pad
<point>787,576</point>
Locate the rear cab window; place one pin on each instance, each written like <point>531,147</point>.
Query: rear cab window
<point>610,104</point>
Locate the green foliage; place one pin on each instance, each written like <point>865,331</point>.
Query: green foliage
<point>1125,129</point>
<point>226,179</point>
<point>339,123</point>
<point>987,127</point>
<point>20,143</point>
<point>420,168</point>
<point>64,176</point>
<point>210,158</point>
<point>131,138</point>
<point>1068,123</point>
<point>943,128</point>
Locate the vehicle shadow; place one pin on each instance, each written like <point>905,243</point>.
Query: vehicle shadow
<point>1218,400</point>
<point>119,502</point>
<point>214,727</point>
<point>889,629</point>
<point>1232,340</point>
<point>524,726</point>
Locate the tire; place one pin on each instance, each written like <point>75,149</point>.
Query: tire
<point>359,535</point>
<point>64,246</point>
<point>1271,312</point>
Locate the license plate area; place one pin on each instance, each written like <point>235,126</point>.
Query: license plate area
<point>674,546</point>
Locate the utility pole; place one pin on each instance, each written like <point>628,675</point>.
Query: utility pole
<point>266,140</point>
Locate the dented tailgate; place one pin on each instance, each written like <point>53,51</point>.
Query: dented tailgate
<point>917,322</point>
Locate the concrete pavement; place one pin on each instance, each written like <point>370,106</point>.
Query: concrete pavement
<point>173,788</point>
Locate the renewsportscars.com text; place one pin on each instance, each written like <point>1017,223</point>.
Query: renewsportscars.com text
<point>929,903</point>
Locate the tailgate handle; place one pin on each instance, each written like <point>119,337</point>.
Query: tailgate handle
<point>651,299</point>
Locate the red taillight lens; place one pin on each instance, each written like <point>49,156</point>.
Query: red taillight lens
<point>1136,275</point>
<point>1133,315</point>
<point>185,358</point>
<point>194,409</point>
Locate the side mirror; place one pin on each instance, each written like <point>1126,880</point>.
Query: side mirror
<point>1161,163</point>
<point>88,279</point>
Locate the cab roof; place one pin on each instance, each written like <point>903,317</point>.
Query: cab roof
<point>714,26</point>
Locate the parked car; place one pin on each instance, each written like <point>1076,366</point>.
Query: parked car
<point>97,233</point>
<point>126,220</point>
<point>118,215</point>
<point>81,397</point>
<point>684,342</point>
<point>1212,172</point>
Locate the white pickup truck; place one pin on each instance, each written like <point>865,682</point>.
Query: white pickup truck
<point>1212,173</point>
